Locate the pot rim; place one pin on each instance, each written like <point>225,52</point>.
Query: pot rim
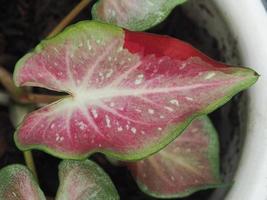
<point>248,23</point>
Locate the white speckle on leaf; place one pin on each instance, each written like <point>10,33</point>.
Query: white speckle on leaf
<point>168,108</point>
<point>120,129</point>
<point>210,75</point>
<point>109,58</point>
<point>59,73</point>
<point>82,125</point>
<point>138,110</point>
<point>99,145</point>
<point>155,70</point>
<point>194,130</point>
<point>133,130</point>
<point>88,45</point>
<point>52,126</point>
<point>112,104</point>
<point>161,60</point>
<point>172,178</point>
<point>188,150</point>
<point>113,13</point>
<point>139,79</point>
<point>161,117</point>
<point>107,121</point>
<point>189,98</point>
<point>100,74</point>
<point>174,102</point>
<point>159,128</point>
<point>183,66</point>
<point>14,194</point>
<point>109,73</point>
<point>151,111</point>
<point>57,137</point>
<point>98,41</point>
<point>127,127</point>
<point>120,49</point>
<point>143,132</point>
<point>95,114</point>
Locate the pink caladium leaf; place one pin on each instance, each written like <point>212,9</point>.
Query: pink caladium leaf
<point>131,93</point>
<point>189,164</point>
<point>17,183</point>
<point>135,15</point>
<point>83,180</point>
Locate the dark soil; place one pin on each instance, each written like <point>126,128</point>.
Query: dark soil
<point>23,23</point>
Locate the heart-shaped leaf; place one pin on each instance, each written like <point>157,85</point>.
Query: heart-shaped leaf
<point>84,180</point>
<point>189,164</point>
<point>130,93</point>
<point>136,15</point>
<point>17,183</point>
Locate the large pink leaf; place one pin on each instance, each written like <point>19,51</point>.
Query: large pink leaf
<point>190,163</point>
<point>17,183</point>
<point>130,93</point>
<point>135,15</point>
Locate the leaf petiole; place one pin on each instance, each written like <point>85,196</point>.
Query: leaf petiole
<point>30,163</point>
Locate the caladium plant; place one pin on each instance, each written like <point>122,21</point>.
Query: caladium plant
<point>137,15</point>
<point>79,180</point>
<point>189,164</point>
<point>130,93</point>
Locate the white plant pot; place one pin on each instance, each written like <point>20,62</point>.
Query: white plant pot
<point>246,20</point>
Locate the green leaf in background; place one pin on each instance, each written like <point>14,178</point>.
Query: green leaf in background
<point>136,15</point>
<point>188,164</point>
<point>84,180</point>
<point>17,183</point>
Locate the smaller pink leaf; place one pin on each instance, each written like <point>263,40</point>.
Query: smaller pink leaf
<point>17,183</point>
<point>190,163</point>
<point>137,15</point>
<point>83,180</point>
